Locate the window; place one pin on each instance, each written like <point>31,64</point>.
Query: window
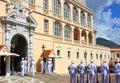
<point>82,18</point>
<point>96,56</point>
<point>57,29</point>
<point>88,21</point>
<point>108,56</point>
<point>91,55</point>
<point>46,25</point>
<point>66,11</point>
<point>45,4</point>
<point>77,53</point>
<point>69,54</point>
<point>30,1</point>
<point>118,56</point>
<point>67,32</point>
<point>58,52</point>
<point>56,7</point>
<point>74,14</point>
<point>105,56</point>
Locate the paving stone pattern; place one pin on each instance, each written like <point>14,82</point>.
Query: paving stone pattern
<point>19,79</point>
<point>45,78</point>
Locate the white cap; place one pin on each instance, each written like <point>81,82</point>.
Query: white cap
<point>104,60</point>
<point>91,60</point>
<point>22,58</point>
<point>26,58</point>
<point>81,61</point>
<point>117,60</point>
<point>72,61</point>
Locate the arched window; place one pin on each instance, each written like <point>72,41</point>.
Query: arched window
<point>90,38</point>
<point>82,18</point>
<point>88,21</point>
<point>45,4</point>
<point>76,34</point>
<point>74,14</point>
<point>83,36</point>
<point>57,29</point>
<point>56,7</point>
<point>66,11</point>
<point>67,32</point>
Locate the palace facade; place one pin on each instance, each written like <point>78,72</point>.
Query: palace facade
<point>60,30</point>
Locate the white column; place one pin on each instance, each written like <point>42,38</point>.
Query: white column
<point>31,44</point>
<point>94,39</point>
<point>62,3</point>
<point>80,35</point>
<point>86,19</point>
<point>8,66</point>
<point>71,12</point>
<point>7,33</point>
<point>30,48</point>
<point>80,17</point>
<point>72,34</point>
<point>87,37</point>
<point>63,26</point>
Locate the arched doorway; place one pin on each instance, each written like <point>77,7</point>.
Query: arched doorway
<point>19,45</point>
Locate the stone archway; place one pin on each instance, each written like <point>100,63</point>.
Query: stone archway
<point>17,23</point>
<point>19,45</point>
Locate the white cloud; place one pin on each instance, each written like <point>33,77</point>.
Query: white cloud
<point>95,4</point>
<point>105,22</point>
<point>109,2</point>
<point>116,21</point>
<point>117,1</point>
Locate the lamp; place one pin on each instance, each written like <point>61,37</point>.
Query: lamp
<point>43,48</point>
<point>46,69</point>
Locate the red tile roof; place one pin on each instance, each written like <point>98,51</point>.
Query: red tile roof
<point>47,53</point>
<point>1,47</point>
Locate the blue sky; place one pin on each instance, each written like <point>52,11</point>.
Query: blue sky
<point>106,18</point>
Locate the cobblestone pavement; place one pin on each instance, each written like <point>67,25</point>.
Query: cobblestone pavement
<point>19,79</point>
<point>44,78</point>
<point>64,78</point>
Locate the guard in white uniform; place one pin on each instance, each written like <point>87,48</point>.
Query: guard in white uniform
<point>32,67</point>
<point>92,72</point>
<point>26,66</point>
<point>42,66</point>
<point>116,69</point>
<point>72,71</point>
<point>49,66</point>
<point>104,71</point>
<point>81,70</point>
<point>22,65</point>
